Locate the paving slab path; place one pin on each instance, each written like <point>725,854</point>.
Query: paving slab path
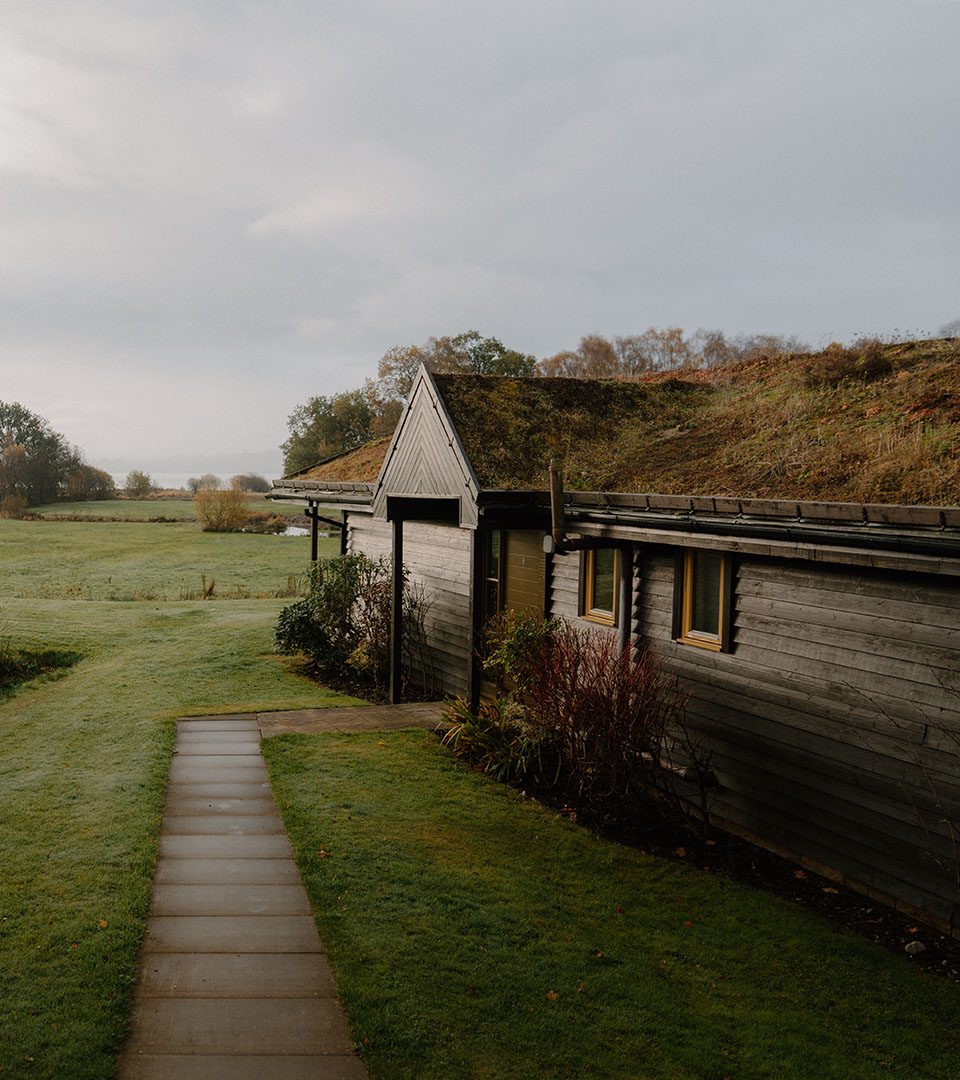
<point>234,983</point>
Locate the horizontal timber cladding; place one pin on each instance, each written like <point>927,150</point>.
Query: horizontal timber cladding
<point>835,718</point>
<point>438,558</point>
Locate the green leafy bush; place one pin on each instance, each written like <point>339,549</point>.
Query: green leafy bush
<point>342,626</point>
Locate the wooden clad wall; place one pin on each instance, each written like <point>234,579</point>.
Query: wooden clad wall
<point>437,557</point>
<point>835,718</point>
<point>526,570</point>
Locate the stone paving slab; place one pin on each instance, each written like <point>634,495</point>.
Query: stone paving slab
<point>232,933</point>
<point>228,789</point>
<point>198,771</point>
<point>299,975</point>
<point>221,720</point>
<point>231,899</point>
<point>240,1026</point>
<point>259,1067</point>
<point>220,748</point>
<point>239,735</point>
<point>192,807</point>
<point>223,825</point>
<point>172,871</point>
<point>226,847</point>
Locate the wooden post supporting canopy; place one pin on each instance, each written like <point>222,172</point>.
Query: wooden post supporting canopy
<point>314,516</point>
<point>396,615</point>
<point>479,540</point>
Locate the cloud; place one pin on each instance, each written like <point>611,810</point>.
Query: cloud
<point>228,207</point>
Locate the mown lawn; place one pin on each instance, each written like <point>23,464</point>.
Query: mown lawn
<point>84,758</point>
<point>92,560</point>
<point>476,934</point>
<point>151,509</point>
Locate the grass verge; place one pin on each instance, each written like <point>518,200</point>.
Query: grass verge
<point>476,934</point>
<point>83,763</point>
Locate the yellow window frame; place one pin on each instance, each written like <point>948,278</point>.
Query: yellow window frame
<point>700,638</point>
<point>599,615</point>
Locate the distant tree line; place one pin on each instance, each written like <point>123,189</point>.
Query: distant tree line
<point>38,465</point>
<point>327,425</point>
<point>241,482</point>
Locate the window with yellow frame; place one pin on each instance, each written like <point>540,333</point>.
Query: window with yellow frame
<point>702,601</point>
<point>601,585</point>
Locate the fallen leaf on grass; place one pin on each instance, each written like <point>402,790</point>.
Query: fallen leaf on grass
<point>913,929</point>
<point>102,923</point>
<point>618,909</point>
<point>552,995</point>
<point>323,854</point>
<point>580,985</point>
<point>688,923</point>
<point>829,890</point>
<point>681,852</point>
<point>799,874</point>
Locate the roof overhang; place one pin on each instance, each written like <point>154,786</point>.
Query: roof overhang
<point>357,498</point>
<point>922,539</point>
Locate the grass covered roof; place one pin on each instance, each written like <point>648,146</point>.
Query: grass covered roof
<point>871,423</point>
<point>358,466</point>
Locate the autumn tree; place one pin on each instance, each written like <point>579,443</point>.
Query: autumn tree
<point>466,353</point>
<point>35,460</point>
<point>326,425</point>
<point>250,482</point>
<point>594,358</point>
<point>84,482</point>
<point>138,484</point>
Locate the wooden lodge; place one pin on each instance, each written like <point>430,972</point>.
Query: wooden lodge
<point>818,640</point>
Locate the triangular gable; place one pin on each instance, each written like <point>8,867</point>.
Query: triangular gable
<point>425,456</point>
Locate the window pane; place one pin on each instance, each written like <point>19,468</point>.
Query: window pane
<point>493,555</point>
<point>706,592</point>
<point>491,598</point>
<point>603,579</point>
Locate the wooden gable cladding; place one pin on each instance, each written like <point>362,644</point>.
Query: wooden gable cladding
<point>425,457</point>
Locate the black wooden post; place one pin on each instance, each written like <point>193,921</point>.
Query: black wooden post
<point>314,532</point>
<point>396,615</point>
<point>343,534</point>
<point>479,539</point>
<point>626,596</point>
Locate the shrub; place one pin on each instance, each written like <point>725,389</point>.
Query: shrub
<point>510,638</point>
<point>13,506</point>
<point>497,741</point>
<point>585,721</point>
<point>221,511</point>
<point>260,521</point>
<point>138,484</point>
<point>864,360</point>
<point>343,624</point>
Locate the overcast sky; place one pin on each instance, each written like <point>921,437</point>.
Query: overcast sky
<point>211,211</point>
